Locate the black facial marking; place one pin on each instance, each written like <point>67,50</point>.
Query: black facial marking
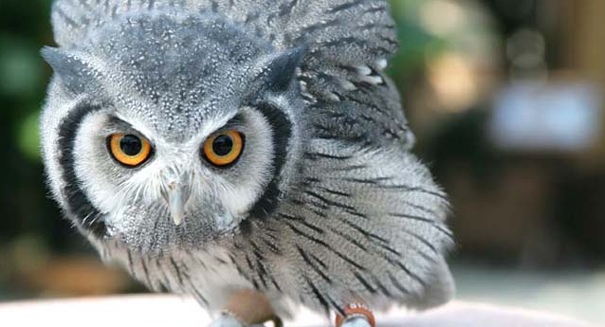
<point>281,133</point>
<point>79,206</point>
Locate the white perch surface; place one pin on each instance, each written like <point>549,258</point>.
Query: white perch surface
<point>164,310</point>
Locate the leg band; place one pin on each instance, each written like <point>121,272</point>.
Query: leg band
<point>356,310</point>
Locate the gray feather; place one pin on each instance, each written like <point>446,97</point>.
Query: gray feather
<point>327,26</point>
<point>365,230</point>
<point>77,76</point>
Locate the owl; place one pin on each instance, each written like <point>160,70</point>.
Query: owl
<point>250,153</point>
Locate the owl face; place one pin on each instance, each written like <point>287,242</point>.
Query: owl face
<point>175,132</point>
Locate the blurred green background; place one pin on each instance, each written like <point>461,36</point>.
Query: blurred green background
<point>505,96</point>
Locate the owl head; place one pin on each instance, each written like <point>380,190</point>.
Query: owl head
<point>163,130</point>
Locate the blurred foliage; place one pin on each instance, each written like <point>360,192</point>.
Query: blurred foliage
<point>416,43</point>
<point>32,227</point>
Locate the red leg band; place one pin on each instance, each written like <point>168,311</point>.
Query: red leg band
<point>356,309</point>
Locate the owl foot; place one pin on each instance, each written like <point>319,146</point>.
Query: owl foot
<point>356,315</point>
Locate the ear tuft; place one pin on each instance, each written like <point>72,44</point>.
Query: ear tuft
<point>75,74</point>
<point>281,70</point>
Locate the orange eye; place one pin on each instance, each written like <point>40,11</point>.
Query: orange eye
<point>224,148</point>
<point>129,150</point>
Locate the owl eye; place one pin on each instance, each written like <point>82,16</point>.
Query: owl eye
<point>129,150</point>
<point>224,148</point>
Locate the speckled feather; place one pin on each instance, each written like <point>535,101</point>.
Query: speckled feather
<point>326,207</point>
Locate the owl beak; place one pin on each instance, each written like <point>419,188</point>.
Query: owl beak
<point>177,199</point>
<point>176,195</point>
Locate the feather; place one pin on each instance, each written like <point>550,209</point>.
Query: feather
<point>365,225</point>
<point>358,31</point>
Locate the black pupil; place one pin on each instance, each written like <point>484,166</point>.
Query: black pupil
<point>222,145</point>
<point>131,145</point>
